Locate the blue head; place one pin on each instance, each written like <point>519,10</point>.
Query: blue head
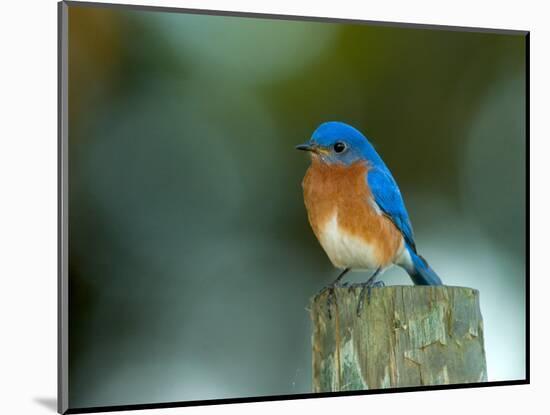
<point>336,142</point>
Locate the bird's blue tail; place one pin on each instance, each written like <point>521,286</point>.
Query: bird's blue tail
<point>420,272</point>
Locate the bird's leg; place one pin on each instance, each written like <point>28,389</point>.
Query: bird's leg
<point>331,295</point>
<point>335,283</point>
<point>371,282</point>
<point>339,277</point>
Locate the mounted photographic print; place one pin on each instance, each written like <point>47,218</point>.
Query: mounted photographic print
<point>258,207</point>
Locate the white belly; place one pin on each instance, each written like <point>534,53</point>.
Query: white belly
<point>346,250</point>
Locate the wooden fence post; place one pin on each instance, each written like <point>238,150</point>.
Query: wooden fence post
<point>403,336</point>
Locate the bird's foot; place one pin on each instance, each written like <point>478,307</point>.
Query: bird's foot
<point>330,288</point>
<point>366,288</point>
<point>331,296</point>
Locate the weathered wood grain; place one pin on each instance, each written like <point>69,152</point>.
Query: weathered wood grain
<point>404,336</point>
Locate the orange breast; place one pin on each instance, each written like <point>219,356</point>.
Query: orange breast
<point>343,190</point>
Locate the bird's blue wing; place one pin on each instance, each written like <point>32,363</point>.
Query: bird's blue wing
<point>388,198</point>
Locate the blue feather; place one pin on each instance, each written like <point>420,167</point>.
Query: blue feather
<point>421,273</point>
<point>388,198</point>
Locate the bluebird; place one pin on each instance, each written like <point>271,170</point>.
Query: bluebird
<point>355,208</point>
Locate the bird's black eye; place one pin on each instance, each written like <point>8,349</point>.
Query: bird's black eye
<point>339,147</point>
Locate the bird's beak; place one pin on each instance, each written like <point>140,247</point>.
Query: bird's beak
<point>314,148</point>
<point>305,147</point>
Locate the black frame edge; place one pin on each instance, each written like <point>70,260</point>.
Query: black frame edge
<point>181,404</point>
<point>62,212</point>
<point>527,204</point>
<point>229,13</point>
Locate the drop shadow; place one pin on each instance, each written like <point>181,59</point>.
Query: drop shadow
<point>48,403</point>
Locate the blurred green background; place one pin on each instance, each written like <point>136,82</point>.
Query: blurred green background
<point>191,259</point>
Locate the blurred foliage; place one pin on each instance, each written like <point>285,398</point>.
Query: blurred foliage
<point>191,260</point>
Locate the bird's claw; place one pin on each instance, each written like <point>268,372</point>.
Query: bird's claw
<point>331,297</point>
<point>367,287</point>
